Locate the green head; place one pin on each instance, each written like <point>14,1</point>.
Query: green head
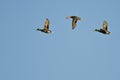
<point>38,29</point>
<point>97,30</point>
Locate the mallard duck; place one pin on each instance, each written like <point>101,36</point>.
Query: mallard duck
<point>74,20</point>
<point>46,27</point>
<point>104,29</point>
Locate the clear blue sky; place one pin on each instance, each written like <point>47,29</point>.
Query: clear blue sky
<point>79,54</point>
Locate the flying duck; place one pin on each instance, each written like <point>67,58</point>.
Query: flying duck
<point>46,27</point>
<point>104,29</point>
<point>74,20</point>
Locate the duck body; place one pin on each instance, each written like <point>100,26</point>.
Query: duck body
<point>44,30</point>
<point>104,29</point>
<point>46,27</point>
<point>74,20</point>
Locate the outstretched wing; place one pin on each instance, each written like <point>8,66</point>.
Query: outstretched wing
<point>47,23</point>
<point>68,17</point>
<point>71,17</point>
<point>105,25</point>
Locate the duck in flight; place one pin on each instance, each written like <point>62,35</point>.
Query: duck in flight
<point>46,27</point>
<point>104,29</point>
<point>74,20</point>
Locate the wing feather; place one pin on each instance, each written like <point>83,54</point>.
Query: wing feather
<point>105,25</point>
<point>47,23</point>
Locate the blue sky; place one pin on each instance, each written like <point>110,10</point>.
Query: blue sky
<point>79,54</point>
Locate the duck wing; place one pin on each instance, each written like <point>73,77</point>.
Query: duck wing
<point>105,25</point>
<point>47,23</point>
<point>73,17</point>
<point>68,17</point>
